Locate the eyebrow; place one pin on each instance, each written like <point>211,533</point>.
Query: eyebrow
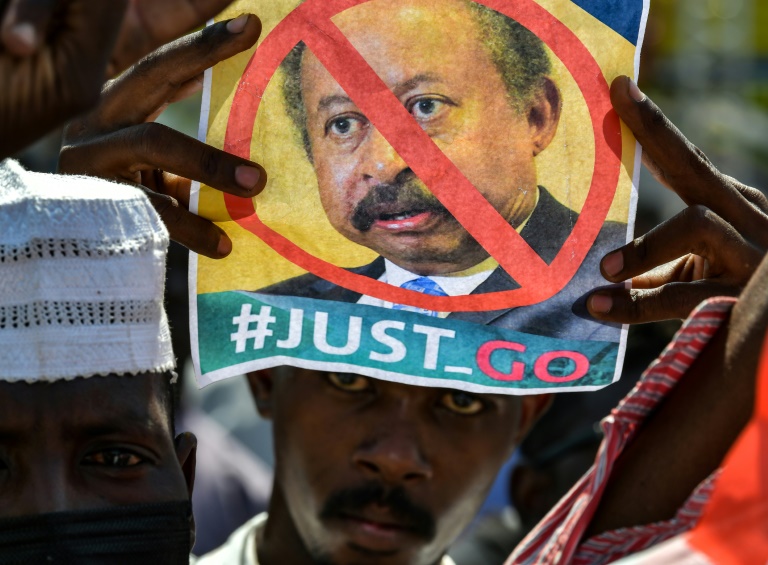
<point>328,101</point>
<point>398,90</point>
<point>403,87</point>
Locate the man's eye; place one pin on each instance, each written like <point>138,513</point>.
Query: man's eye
<point>349,382</point>
<point>344,126</point>
<point>114,458</point>
<point>425,109</point>
<point>462,403</point>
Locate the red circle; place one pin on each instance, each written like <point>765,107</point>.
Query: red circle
<point>538,280</point>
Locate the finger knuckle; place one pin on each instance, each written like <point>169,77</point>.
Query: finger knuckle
<point>146,138</point>
<point>640,248</point>
<point>696,163</point>
<point>634,307</point>
<point>166,206</point>
<point>699,216</point>
<point>210,162</point>
<point>68,159</point>
<point>654,118</point>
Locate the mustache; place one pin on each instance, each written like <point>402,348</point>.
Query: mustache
<point>354,501</point>
<point>405,194</point>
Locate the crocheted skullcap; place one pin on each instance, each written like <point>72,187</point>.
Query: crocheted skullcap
<point>82,272</point>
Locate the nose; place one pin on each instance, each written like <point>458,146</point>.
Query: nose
<point>46,490</point>
<point>380,162</point>
<point>393,455</point>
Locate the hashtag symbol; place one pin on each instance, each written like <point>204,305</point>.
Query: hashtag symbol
<point>243,322</point>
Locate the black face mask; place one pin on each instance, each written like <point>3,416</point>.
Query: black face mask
<point>139,534</point>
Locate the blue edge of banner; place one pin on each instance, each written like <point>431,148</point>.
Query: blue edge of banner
<point>622,16</point>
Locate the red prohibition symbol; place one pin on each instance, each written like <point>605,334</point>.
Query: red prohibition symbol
<point>311,23</point>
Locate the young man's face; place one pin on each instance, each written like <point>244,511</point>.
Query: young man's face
<point>430,55</point>
<point>375,472</point>
<point>89,444</point>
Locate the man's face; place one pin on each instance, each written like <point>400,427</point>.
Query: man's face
<point>376,472</point>
<point>89,444</point>
<point>430,56</point>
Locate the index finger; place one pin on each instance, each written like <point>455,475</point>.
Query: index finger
<point>133,97</point>
<point>679,164</point>
<point>151,23</point>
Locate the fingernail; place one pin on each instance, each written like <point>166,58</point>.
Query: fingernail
<point>238,24</point>
<point>601,303</point>
<point>24,34</point>
<point>247,177</point>
<point>613,263</point>
<point>225,246</point>
<point>635,92</point>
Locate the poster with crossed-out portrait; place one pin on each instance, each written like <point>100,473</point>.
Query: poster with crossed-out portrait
<point>444,178</point>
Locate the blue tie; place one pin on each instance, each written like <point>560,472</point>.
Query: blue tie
<point>424,285</point>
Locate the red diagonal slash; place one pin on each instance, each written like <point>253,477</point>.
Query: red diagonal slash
<point>311,23</point>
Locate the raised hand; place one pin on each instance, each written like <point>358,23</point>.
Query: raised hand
<point>56,54</point>
<point>119,141</point>
<point>711,248</point>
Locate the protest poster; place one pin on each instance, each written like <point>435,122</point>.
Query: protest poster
<point>444,177</point>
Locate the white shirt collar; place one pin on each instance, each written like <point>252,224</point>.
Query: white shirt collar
<point>454,284</point>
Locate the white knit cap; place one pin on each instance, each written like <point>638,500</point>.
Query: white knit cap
<point>82,272</point>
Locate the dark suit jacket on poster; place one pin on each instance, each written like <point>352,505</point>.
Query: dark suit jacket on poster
<point>563,316</point>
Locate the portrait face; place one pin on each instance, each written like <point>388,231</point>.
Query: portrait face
<point>376,472</point>
<point>90,444</point>
<point>431,56</point>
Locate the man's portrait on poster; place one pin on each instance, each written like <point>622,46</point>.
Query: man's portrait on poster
<point>480,85</point>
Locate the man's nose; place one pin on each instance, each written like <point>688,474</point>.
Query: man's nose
<point>47,490</point>
<point>379,161</point>
<point>394,455</point>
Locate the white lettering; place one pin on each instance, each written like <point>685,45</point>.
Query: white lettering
<point>353,335</point>
<point>294,330</point>
<point>244,332</point>
<point>432,348</point>
<point>397,349</point>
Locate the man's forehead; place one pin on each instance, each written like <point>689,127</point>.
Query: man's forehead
<point>406,38</point>
<point>298,375</point>
<point>402,25</point>
<point>137,398</point>
<point>402,14</point>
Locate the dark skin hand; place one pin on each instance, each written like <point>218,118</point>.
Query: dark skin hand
<point>56,54</point>
<point>688,436</point>
<point>118,140</point>
<point>712,248</point>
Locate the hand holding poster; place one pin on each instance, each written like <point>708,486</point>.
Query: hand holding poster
<point>445,176</point>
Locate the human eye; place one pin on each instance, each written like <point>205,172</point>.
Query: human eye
<point>462,403</point>
<point>427,108</point>
<point>349,382</point>
<point>115,458</point>
<point>345,126</point>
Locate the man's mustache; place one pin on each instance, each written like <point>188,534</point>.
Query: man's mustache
<point>406,194</point>
<point>354,501</point>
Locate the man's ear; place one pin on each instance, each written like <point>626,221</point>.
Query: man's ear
<point>261,384</point>
<point>186,452</point>
<point>532,407</point>
<point>544,114</point>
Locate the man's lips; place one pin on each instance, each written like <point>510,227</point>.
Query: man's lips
<point>404,221</point>
<point>376,531</point>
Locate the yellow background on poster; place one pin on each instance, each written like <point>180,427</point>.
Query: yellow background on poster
<point>290,203</point>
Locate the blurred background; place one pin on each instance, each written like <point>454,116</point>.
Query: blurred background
<point>705,63</point>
